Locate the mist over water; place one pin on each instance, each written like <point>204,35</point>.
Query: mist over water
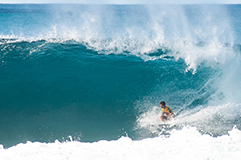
<point>98,72</point>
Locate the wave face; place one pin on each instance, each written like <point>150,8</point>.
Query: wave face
<point>89,73</point>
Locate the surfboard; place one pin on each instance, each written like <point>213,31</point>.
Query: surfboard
<point>164,125</point>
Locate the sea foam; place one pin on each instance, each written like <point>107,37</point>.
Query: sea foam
<point>187,143</point>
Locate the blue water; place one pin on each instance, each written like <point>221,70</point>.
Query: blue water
<point>94,72</point>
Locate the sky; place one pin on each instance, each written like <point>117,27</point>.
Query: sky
<point>127,1</point>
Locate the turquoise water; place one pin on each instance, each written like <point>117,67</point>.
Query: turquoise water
<point>99,72</point>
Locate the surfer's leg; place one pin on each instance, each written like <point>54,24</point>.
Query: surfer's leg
<point>163,118</point>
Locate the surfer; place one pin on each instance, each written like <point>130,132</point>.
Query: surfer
<point>167,113</point>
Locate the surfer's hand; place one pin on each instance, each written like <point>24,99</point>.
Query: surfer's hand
<point>168,114</point>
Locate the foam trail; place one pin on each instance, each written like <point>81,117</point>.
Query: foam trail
<point>179,144</point>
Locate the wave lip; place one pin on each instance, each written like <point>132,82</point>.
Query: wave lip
<point>193,53</point>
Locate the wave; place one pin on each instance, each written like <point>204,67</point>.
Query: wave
<point>186,143</point>
<point>194,54</point>
<point>112,66</point>
<point>139,30</point>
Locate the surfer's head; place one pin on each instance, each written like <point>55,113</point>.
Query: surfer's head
<point>162,104</point>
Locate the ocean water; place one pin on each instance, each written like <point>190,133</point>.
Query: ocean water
<point>85,81</point>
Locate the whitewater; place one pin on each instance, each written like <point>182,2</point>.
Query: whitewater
<point>187,143</point>
<point>85,81</point>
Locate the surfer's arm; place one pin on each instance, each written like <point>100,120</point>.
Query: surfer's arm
<point>166,114</point>
<point>170,113</point>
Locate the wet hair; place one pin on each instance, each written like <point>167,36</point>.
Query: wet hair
<point>163,103</point>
